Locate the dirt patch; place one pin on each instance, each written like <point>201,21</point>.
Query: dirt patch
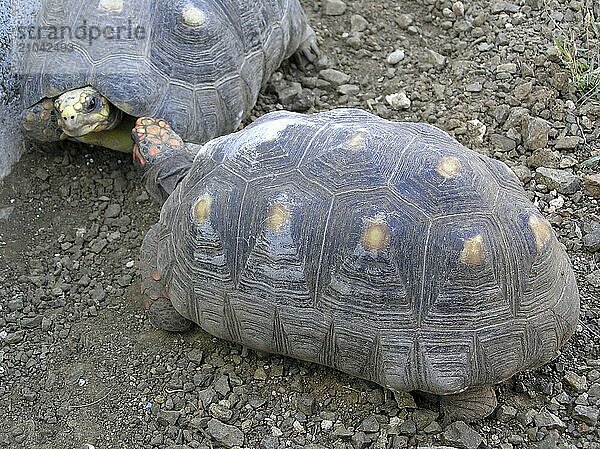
<point>79,363</point>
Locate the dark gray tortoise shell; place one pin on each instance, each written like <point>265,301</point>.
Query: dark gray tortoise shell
<point>199,64</point>
<point>386,250</point>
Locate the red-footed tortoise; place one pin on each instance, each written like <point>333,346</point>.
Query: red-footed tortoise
<point>198,63</point>
<point>386,250</point>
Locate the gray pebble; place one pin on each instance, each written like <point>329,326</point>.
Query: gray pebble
<point>549,420</point>
<point>358,23</point>
<point>561,180</point>
<point>462,436</point>
<point>535,133</point>
<point>333,7</point>
<point>395,57</point>
<point>112,211</point>
<point>224,434</point>
<point>334,76</point>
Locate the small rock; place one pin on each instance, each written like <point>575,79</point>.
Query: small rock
<point>395,57</point>
<point>561,180</point>
<point>220,412</point>
<point>333,7</point>
<point>575,381</point>
<point>543,157</point>
<point>591,185</point>
<point>522,91</point>
<point>369,424</point>
<point>509,67</point>
<point>458,9</point>
<point>588,415</point>
<point>269,442</point>
<point>358,23</point>
<point>98,246</point>
<point>360,440</point>
<point>326,425</point>
<point>535,133</point>
<point>348,89</point>
<point>112,211</point>
<point>408,427</point>
<point>505,413</point>
<point>398,101</point>
<point>306,404</point>
<point>567,162</point>
<point>476,130</point>
<point>594,279</point>
<point>169,416</point>
<point>260,373</point>
<point>334,76</point>
<point>341,431</point>
<point>31,323</point>
<point>5,212</point>
<point>433,428</point>
<point>522,172</point>
<point>548,420</point>
<point>502,143</point>
<point>288,92</point>
<point>567,143</point>
<point>474,87</point>
<point>591,241</point>
<point>437,60</point>
<point>594,391</point>
<point>404,20</point>
<point>221,385</point>
<point>224,434</point>
<point>42,174</point>
<point>462,435</point>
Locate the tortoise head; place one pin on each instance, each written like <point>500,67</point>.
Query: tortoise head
<point>85,110</point>
<point>160,155</point>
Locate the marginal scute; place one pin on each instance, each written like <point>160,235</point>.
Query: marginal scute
<point>541,229</point>
<point>448,167</point>
<point>376,235</point>
<point>192,16</point>
<point>473,252</point>
<point>202,209</point>
<point>279,216</point>
<point>111,5</point>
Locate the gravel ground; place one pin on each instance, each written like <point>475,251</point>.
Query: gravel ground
<point>81,367</point>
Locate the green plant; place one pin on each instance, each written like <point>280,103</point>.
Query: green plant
<point>580,52</point>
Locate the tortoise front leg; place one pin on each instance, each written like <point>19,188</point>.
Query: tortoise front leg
<point>39,122</point>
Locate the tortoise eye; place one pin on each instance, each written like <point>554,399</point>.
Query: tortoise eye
<point>92,104</point>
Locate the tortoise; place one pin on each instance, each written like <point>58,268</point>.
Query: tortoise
<point>198,63</point>
<point>386,250</point>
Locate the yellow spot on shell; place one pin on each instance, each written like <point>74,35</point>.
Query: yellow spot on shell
<point>473,252</point>
<point>111,5</point>
<point>357,141</point>
<point>448,167</point>
<point>192,16</point>
<point>202,209</point>
<point>279,216</point>
<point>376,236</point>
<point>541,229</point>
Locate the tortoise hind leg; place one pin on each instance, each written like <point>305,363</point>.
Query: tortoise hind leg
<point>156,298</point>
<point>470,405</point>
